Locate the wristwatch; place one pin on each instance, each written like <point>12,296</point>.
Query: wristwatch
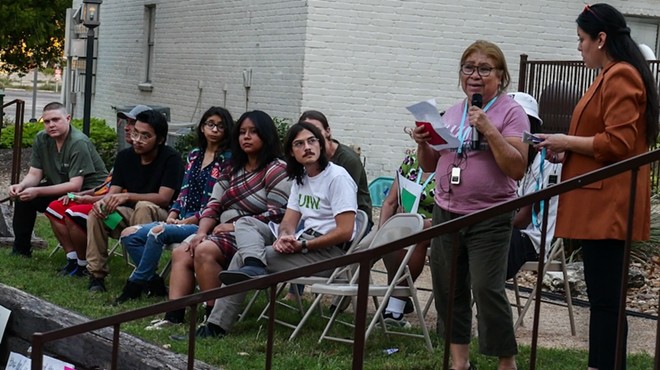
<point>304,249</point>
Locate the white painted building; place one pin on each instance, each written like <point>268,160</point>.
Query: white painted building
<point>360,61</point>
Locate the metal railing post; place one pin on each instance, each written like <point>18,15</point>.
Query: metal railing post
<point>191,336</point>
<point>115,346</point>
<point>361,315</point>
<point>620,355</point>
<point>449,318</point>
<point>540,268</point>
<point>271,326</point>
<point>36,356</point>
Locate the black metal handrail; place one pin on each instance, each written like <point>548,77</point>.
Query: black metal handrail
<point>364,258</point>
<point>18,136</point>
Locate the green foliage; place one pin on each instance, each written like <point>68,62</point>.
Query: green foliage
<point>31,34</point>
<point>30,130</point>
<point>282,125</point>
<point>103,137</point>
<point>185,143</point>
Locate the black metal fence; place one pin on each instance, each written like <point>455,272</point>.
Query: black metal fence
<point>40,341</point>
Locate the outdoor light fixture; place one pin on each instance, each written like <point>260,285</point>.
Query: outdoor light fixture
<point>91,11</point>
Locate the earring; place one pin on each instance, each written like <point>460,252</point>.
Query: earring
<point>600,47</point>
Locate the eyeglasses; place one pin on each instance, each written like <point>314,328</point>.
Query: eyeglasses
<point>136,136</point>
<point>469,69</point>
<point>212,125</point>
<point>299,144</point>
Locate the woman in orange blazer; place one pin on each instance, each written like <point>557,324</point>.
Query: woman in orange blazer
<point>617,118</point>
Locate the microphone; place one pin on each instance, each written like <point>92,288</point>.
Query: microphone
<point>477,101</point>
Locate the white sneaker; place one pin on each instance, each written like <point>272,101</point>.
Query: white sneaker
<point>160,324</point>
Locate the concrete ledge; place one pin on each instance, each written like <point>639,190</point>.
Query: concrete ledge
<point>89,351</point>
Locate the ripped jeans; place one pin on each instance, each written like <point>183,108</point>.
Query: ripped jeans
<point>145,247</point>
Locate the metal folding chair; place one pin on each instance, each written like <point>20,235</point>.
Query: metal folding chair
<point>556,262</point>
<point>397,227</point>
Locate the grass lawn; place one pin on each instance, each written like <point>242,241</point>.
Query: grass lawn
<point>245,347</point>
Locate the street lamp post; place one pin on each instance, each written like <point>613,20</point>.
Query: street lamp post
<point>90,19</point>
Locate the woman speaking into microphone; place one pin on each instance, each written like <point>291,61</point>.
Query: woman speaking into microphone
<point>478,174</point>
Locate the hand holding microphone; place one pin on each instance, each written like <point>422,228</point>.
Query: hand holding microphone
<point>477,101</point>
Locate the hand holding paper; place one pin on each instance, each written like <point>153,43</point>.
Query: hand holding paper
<point>426,114</point>
<point>530,138</point>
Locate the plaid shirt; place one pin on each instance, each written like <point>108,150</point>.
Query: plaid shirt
<point>263,194</point>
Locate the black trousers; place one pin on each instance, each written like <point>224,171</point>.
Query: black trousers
<point>603,265</point>
<point>25,214</point>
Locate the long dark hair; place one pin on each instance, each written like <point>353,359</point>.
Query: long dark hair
<point>265,127</point>
<point>598,18</point>
<point>227,122</point>
<point>294,169</point>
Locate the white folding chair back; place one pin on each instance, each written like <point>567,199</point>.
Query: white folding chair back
<point>397,227</point>
<point>556,262</point>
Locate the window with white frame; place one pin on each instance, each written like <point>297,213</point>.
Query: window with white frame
<point>645,31</point>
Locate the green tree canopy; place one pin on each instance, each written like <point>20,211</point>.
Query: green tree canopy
<point>31,33</point>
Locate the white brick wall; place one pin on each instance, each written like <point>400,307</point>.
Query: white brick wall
<point>202,40</point>
<point>359,61</point>
<point>386,54</point>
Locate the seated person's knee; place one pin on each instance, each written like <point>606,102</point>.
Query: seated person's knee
<point>128,231</point>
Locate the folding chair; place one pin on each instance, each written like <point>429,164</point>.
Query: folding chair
<point>397,227</point>
<point>165,272</point>
<point>343,273</point>
<point>112,251</point>
<point>556,262</point>
<point>378,189</point>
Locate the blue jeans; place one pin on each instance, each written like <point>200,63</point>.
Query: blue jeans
<point>145,247</point>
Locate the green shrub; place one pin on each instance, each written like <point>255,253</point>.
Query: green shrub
<point>102,136</point>
<point>186,143</point>
<point>282,125</point>
<point>30,130</point>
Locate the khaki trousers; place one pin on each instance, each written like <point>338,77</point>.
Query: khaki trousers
<point>98,233</point>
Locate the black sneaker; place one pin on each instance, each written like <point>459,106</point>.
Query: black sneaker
<point>21,252</point>
<point>132,290</point>
<point>410,308</point>
<point>96,285</point>
<point>155,287</point>
<point>80,271</point>
<point>70,267</point>
<point>244,273</point>
<point>210,330</point>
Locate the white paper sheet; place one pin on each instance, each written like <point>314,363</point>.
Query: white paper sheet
<point>426,114</point>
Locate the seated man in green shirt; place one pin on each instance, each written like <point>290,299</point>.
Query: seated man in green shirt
<point>63,160</point>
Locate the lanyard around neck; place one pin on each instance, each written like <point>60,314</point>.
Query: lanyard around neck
<point>539,185</point>
<point>419,178</point>
<point>461,129</point>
